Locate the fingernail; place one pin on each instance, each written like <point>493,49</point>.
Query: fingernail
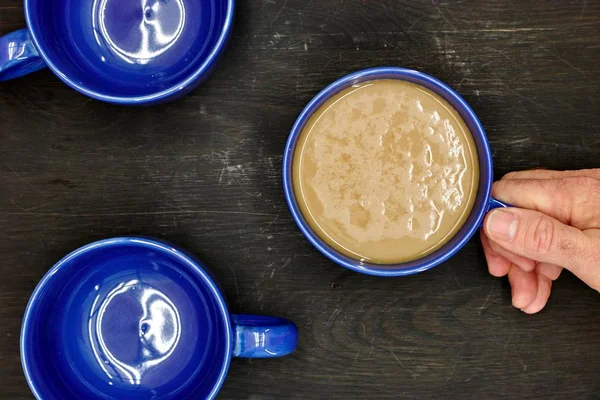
<point>502,225</point>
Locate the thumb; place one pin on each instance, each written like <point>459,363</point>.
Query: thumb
<point>539,237</point>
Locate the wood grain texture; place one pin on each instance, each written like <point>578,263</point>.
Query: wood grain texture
<point>204,172</point>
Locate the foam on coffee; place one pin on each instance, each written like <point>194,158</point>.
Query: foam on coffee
<point>386,171</point>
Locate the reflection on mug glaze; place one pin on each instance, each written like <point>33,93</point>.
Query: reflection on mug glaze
<point>160,24</point>
<point>159,330</point>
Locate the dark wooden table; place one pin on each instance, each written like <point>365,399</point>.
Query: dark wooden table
<point>204,172</point>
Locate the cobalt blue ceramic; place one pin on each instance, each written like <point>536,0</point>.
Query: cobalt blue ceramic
<point>483,202</point>
<point>120,51</point>
<point>136,318</point>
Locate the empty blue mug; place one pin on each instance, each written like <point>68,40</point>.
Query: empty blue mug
<point>483,203</point>
<point>120,51</point>
<point>136,318</point>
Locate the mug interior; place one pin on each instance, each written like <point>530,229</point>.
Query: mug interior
<point>126,318</point>
<point>480,206</point>
<point>124,49</point>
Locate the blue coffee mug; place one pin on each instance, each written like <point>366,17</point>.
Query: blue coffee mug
<point>121,51</point>
<point>136,318</point>
<point>483,203</point>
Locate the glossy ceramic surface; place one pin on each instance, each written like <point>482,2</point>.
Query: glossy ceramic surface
<point>18,55</point>
<point>122,51</point>
<point>134,318</point>
<point>483,201</point>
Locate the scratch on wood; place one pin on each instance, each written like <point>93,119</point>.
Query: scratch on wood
<point>511,30</point>
<point>31,208</point>
<point>415,23</point>
<point>400,362</point>
<point>364,329</point>
<point>14,203</point>
<point>121,214</point>
<point>304,36</point>
<point>237,289</point>
<point>332,318</point>
<point>286,261</point>
<point>442,14</point>
<point>574,68</point>
<point>370,351</point>
<point>583,7</point>
<point>451,375</point>
<point>280,10</point>
<point>482,308</point>
<point>503,54</point>
<point>18,175</point>
<point>269,265</point>
<point>517,141</point>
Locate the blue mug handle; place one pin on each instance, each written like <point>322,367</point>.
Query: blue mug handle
<point>263,337</point>
<point>493,204</point>
<point>18,55</point>
<point>496,204</point>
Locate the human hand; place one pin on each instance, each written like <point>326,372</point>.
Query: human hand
<point>556,226</point>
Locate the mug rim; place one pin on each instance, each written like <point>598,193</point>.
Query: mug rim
<point>195,265</point>
<point>173,90</point>
<point>441,89</point>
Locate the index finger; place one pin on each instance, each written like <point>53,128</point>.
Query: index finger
<point>545,196</point>
<point>542,173</point>
<point>560,198</point>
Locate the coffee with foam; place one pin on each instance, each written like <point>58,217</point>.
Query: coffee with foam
<point>385,171</point>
